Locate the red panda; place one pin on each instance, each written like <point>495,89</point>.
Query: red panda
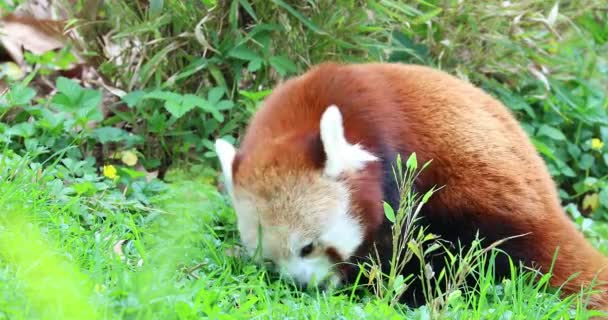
<point>311,174</point>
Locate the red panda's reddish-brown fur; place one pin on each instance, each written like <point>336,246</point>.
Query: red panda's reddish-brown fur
<point>494,179</point>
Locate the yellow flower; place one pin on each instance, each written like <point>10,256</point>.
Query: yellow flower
<point>597,144</point>
<point>110,172</point>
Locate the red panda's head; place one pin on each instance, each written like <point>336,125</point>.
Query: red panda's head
<point>302,216</point>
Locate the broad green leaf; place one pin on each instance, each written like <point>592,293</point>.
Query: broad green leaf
<point>543,149</point>
<point>164,95</point>
<point>603,195</point>
<point>132,98</point>
<point>254,65</point>
<point>225,105</point>
<point>574,150</point>
<point>23,129</point>
<point>283,65</point>
<point>388,211</point>
<point>568,172</point>
<point>244,53</point>
<point>192,100</point>
<point>107,134</point>
<point>255,95</point>
<point>20,95</point>
<point>177,108</point>
<point>551,132</point>
<point>156,7</point>
<point>69,88</point>
<point>586,161</point>
<point>90,99</point>
<point>215,94</point>
<point>157,123</point>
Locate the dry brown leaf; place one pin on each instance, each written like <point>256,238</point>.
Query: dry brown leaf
<point>26,33</point>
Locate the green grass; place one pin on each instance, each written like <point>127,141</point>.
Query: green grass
<point>176,264</point>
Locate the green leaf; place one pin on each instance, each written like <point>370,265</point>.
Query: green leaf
<point>411,245</point>
<point>428,195</point>
<point>69,88</point>
<point>131,173</point>
<point>427,16</point>
<point>20,95</point>
<point>164,95</point>
<point>178,108</point>
<point>215,94</point>
<point>568,172</point>
<point>157,123</point>
<point>82,103</point>
<point>255,96</point>
<point>299,16</point>
<point>23,129</point>
<point>243,53</point>
<point>398,284</point>
<point>133,98</point>
<point>388,211</point>
<point>225,105</point>
<point>604,197</point>
<point>192,100</point>
<point>254,65</point>
<point>543,149</point>
<point>156,7</point>
<point>247,6</point>
<point>86,187</point>
<point>412,162</point>
<point>551,132</point>
<point>574,150</point>
<point>90,99</point>
<point>586,162</point>
<point>283,65</point>
<point>107,134</point>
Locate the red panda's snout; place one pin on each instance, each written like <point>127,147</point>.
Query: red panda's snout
<point>301,220</point>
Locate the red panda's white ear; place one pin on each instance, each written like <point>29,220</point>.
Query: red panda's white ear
<point>226,153</point>
<point>341,155</point>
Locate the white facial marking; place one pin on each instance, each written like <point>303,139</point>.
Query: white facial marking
<point>311,271</point>
<point>341,155</point>
<point>226,153</point>
<point>343,233</point>
<point>321,216</point>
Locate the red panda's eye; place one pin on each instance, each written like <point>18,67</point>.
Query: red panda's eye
<point>306,250</point>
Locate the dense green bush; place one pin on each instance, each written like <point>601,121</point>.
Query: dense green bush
<point>194,71</point>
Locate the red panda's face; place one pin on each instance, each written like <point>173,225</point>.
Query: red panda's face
<point>302,221</point>
<point>303,226</point>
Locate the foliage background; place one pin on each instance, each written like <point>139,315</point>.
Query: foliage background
<point>139,94</point>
